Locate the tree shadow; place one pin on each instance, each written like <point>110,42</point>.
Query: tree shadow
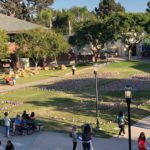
<point>66,127</point>
<point>113,88</point>
<point>67,105</point>
<point>145,67</point>
<point>84,87</point>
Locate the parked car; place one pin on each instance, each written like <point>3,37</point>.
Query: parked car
<point>108,53</point>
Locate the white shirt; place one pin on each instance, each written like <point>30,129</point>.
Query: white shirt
<point>6,121</point>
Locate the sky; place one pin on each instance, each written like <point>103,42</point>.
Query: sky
<point>130,5</point>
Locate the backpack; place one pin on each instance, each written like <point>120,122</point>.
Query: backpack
<point>86,137</point>
<point>121,121</point>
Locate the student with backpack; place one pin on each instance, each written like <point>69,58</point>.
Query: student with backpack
<point>121,122</point>
<point>86,137</point>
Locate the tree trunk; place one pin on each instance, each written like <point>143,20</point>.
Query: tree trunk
<point>69,27</point>
<point>95,57</point>
<point>56,60</point>
<point>36,65</point>
<point>129,54</point>
<point>17,62</point>
<point>50,24</point>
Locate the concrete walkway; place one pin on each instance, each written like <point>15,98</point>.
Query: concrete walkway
<point>60,141</point>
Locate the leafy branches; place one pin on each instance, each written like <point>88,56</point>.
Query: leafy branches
<point>40,43</point>
<point>3,44</point>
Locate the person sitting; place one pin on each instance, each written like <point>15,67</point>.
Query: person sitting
<point>32,116</point>
<point>25,115</point>
<point>32,120</point>
<point>9,81</point>
<point>18,124</point>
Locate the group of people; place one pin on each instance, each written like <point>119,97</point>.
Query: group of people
<point>20,122</point>
<point>9,146</point>
<point>85,137</point>
<point>121,124</point>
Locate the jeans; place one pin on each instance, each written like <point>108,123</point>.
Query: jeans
<point>122,129</point>
<point>7,130</point>
<point>86,146</point>
<point>74,145</point>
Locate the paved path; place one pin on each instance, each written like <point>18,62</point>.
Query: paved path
<point>60,141</point>
<point>6,88</point>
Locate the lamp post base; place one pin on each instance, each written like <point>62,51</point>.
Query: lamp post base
<point>97,129</point>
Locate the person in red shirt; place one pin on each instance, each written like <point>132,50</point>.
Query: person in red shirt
<point>9,81</point>
<point>141,141</point>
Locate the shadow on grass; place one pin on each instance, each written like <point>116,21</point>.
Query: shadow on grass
<point>85,87</point>
<point>107,88</point>
<point>67,105</point>
<point>141,66</point>
<point>76,108</point>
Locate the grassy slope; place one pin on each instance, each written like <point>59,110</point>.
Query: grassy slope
<point>60,109</point>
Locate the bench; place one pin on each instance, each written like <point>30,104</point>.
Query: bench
<point>39,125</point>
<point>28,129</point>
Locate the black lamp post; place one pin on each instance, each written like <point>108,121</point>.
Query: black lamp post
<point>128,96</point>
<point>96,92</point>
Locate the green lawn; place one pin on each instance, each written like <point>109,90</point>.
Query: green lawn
<point>45,74</point>
<point>72,101</point>
<point>126,68</point>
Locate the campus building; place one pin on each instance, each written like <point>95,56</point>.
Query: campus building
<point>13,26</point>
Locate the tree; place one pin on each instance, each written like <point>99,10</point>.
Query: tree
<point>148,5</point>
<point>130,28</point>
<point>68,21</point>
<point>45,18</point>
<point>24,9</point>
<point>82,14</point>
<point>146,40</point>
<point>108,7</point>
<point>11,7</point>
<point>93,34</point>
<point>32,44</point>
<point>3,44</point>
<point>64,20</point>
<point>39,43</point>
<point>56,44</point>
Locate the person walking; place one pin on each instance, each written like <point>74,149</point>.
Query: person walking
<point>86,137</point>
<point>7,123</point>
<point>73,69</point>
<point>121,123</point>
<point>9,145</point>
<point>141,141</point>
<point>74,137</point>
